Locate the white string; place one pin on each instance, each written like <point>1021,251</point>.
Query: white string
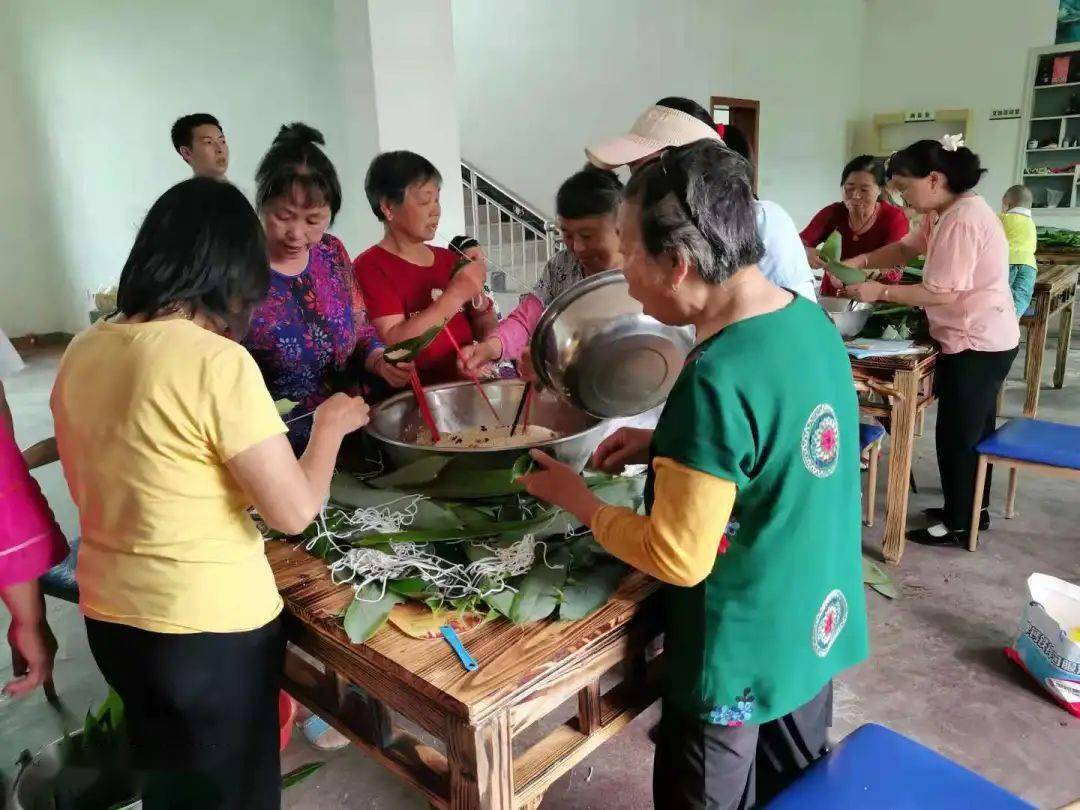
<point>449,580</point>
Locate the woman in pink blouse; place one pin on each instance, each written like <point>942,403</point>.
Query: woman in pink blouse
<point>965,292</point>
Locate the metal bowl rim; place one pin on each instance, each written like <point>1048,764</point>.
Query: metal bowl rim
<point>556,308</point>
<point>370,426</point>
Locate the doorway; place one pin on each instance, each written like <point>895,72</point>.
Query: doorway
<point>743,114</point>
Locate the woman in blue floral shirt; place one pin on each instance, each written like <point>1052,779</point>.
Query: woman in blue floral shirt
<point>310,336</point>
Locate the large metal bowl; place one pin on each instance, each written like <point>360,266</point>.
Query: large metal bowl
<point>595,348</point>
<point>849,316</point>
<point>456,406</point>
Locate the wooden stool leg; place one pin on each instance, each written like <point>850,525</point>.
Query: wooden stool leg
<point>1010,501</point>
<point>481,760</point>
<point>902,438</point>
<point>976,507</point>
<point>1064,336</point>
<point>871,483</point>
<point>920,422</point>
<point>1036,347</point>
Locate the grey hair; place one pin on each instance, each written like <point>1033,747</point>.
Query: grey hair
<point>716,229</point>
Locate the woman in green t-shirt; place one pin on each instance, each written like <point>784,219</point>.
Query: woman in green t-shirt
<point>752,497</point>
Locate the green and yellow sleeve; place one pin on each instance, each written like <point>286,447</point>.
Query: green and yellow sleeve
<point>678,541</point>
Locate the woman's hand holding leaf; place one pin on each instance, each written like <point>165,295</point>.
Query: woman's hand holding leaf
<point>559,484</point>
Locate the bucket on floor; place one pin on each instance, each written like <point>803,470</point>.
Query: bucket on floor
<point>286,712</point>
<point>1047,646</point>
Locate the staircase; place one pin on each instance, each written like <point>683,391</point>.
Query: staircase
<point>517,237</point>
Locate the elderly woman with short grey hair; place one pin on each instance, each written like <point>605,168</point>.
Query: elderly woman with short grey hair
<point>752,496</point>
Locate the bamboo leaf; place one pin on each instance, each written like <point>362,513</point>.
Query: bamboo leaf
<point>284,406</point>
<point>830,249</point>
<point>410,588</point>
<point>878,579</point>
<point>589,589</point>
<point>349,494</point>
<point>464,533</point>
<point>412,476</point>
<point>847,275</point>
<point>538,592</point>
<point>503,601</point>
<point>364,618</point>
<point>405,351</point>
<point>298,775</point>
<point>523,466</point>
<point>887,589</point>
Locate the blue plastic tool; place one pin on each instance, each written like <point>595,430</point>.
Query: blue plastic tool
<point>451,637</point>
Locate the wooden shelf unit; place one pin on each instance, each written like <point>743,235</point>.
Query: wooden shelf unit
<point>1050,118</point>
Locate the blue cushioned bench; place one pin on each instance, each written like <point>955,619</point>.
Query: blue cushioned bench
<point>874,767</point>
<point>870,436</point>
<point>1045,447</point>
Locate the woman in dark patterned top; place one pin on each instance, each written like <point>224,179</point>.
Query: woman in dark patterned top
<point>311,335</point>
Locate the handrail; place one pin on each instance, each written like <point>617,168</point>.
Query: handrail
<point>519,234</point>
<point>535,210</point>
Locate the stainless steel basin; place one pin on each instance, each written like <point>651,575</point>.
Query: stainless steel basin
<point>596,348</point>
<point>456,406</point>
<point>849,316</point>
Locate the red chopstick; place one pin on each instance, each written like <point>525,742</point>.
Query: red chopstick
<point>475,381</point>
<point>528,407</point>
<point>421,401</point>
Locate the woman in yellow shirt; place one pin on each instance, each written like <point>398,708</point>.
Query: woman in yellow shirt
<point>167,435</point>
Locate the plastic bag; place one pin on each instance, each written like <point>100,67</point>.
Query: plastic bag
<point>1048,643</point>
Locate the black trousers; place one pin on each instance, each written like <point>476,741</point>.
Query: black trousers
<point>701,765</point>
<point>201,712</point>
<point>967,385</point>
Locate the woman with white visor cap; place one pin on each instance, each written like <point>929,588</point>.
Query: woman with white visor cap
<point>675,121</point>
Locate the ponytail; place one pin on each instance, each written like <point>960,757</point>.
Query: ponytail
<point>960,166</point>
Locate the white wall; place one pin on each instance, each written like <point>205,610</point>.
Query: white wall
<point>90,88</point>
<point>961,53</point>
<point>540,80</point>
<point>412,54</point>
<point>104,80</point>
<point>802,61</point>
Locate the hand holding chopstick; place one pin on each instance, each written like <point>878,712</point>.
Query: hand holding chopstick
<point>472,376</point>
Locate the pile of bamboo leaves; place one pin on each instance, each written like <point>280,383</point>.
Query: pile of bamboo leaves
<point>463,516</point>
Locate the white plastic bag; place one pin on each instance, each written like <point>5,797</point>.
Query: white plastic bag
<point>1048,643</point>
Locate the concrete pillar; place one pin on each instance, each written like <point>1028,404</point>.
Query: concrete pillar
<point>398,76</point>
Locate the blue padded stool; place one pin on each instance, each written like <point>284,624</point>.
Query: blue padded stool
<point>1045,447</point>
<point>874,767</point>
<point>870,436</point>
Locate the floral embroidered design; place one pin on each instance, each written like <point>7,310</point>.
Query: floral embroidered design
<point>731,530</point>
<point>821,441</point>
<point>737,714</point>
<point>830,620</point>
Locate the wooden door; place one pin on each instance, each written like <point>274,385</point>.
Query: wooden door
<point>742,113</point>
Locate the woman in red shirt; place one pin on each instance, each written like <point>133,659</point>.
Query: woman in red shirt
<point>864,220</point>
<point>408,285</point>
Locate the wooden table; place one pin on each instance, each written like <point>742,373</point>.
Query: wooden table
<point>1055,293</point>
<point>907,385</point>
<point>525,672</point>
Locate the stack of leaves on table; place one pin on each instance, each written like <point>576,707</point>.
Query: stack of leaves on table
<point>464,516</point>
